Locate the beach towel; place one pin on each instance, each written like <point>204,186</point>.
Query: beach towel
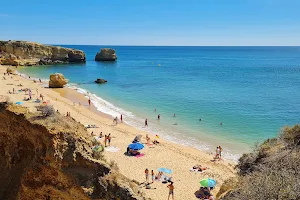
<point>112,149</point>
<point>97,138</point>
<point>90,126</point>
<point>140,155</point>
<point>98,148</point>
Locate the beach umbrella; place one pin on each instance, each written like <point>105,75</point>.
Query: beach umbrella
<point>165,170</point>
<point>208,182</point>
<point>19,102</point>
<point>136,146</point>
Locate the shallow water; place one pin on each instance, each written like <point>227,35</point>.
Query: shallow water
<point>253,91</point>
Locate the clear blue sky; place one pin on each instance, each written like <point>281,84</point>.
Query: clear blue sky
<point>152,22</point>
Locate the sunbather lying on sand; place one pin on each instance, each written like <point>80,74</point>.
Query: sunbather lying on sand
<point>198,168</point>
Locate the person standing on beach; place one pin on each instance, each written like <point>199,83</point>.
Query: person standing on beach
<point>89,101</point>
<point>108,138</point>
<point>121,118</point>
<point>147,139</point>
<point>105,140</point>
<point>171,190</point>
<point>147,175</point>
<point>146,122</point>
<point>13,90</point>
<point>152,175</point>
<point>220,149</point>
<point>158,116</point>
<point>218,153</point>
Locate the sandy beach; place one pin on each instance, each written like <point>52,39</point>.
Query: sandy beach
<point>166,154</point>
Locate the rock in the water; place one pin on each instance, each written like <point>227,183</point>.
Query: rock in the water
<point>11,70</point>
<point>100,80</point>
<point>31,53</point>
<point>57,80</point>
<point>106,54</point>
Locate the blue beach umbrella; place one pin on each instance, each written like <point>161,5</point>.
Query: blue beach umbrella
<point>136,146</point>
<point>165,170</point>
<point>19,102</point>
<point>208,182</point>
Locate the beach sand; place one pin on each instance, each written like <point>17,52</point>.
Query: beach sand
<point>167,154</point>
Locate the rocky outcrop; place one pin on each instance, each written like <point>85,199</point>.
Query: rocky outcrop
<point>52,158</point>
<point>106,54</point>
<point>100,80</point>
<point>57,80</point>
<point>26,53</point>
<point>11,70</point>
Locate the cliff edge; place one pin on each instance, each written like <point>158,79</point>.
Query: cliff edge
<point>51,157</point>
<point>26,53</point>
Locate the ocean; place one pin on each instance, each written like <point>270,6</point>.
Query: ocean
<point>252,91</point>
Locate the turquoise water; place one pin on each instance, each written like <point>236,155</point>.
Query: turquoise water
<point>253,91</point>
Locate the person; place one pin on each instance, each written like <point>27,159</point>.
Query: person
<point>57,111</point>
<point>121,118</point>
<point>152,175</point>
<point>155,110</point>
<point>42,97</point>
<point>92,133</point>
<point>89,101</point>
<point>146,122</point>
<point>171,190</point>
<point>40,80</point>
<point>158,116</point>
<point>37,91</point>
<point>220,149</point>
<point>101,135</point>
<point>108,138</point>
<point>147,174</point>
<point>174,115</point>
<point>105,140</point>
<point>79,103</point>
<point>221,123</point>
<point>13,90</point>
<point>115,120</point>
<point>200,119</point>
<point>147,138</point>
<point>29,77</point>
<point>218,153</point>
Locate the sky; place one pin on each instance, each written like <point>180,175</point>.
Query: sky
<point>153,22</point>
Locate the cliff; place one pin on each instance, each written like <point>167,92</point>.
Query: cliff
<point>26,53</point>
<point>271,171</point>
<point>50,157</point>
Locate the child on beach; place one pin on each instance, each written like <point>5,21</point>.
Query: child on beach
<point>147,175</point>
<point>171,190</point>
<point>152,175</point>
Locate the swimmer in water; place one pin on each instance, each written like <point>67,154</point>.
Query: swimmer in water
<point>221,123</point>
<point>174,115</point>
<point>199,119</point>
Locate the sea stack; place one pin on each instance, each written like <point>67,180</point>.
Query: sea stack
<point>106,54</point>
<point>57,80</point>
<point>24,53</point>
<point>100,80</point>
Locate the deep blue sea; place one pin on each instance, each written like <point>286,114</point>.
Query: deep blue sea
<point>253,91</point>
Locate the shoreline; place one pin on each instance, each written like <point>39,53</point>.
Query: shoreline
<point>167,154</point>
<point>204,142</point>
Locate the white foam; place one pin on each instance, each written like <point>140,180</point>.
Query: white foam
<point>134,121</point>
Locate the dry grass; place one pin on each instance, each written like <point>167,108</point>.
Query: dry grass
<point>272,171</point>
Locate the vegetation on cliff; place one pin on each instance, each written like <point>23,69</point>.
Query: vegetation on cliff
<point>271,171</point>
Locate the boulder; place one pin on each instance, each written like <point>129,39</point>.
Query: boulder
<point>100,80</point>
<point>11,70</point>
<point>31,53</point>
<point>57,80</point>
<point>106,54</point>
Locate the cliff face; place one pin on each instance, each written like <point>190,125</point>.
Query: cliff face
<point>48,158</point>
<point>31,53</point>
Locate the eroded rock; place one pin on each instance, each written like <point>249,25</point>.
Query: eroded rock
<point>106,54</point>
